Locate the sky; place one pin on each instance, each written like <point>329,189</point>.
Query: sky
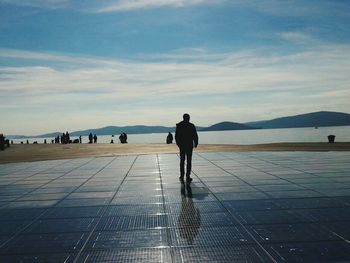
<point>69,65</point>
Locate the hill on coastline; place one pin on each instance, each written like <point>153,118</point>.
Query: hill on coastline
<point>314,119</point>
<point>112,130</point>
<point>227,126</point>
<point>141,129</point>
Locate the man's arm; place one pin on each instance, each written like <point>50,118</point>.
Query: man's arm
<point>177,135</point>
<point>195,137</point>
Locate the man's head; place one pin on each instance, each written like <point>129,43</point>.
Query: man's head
<point>186,117</point>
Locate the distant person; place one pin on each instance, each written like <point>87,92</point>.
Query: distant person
<point>95,138</point>
<point>123,138</point>
<point>67,138</point>
<point>169,138</point>
<point>80,139</point>
<point>2,142</point>
<point>27,142</point>
<point>186,137</point>
<point>112,141</point>
<point>90,137</point>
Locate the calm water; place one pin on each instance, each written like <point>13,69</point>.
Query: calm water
<point>342,133</point>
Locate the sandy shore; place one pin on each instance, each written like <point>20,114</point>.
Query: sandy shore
<point>39,152</point>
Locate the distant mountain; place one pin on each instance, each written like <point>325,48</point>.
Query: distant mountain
<point>226,126</point>
<point>142,129</point>
<point>48,135</point>
<point>114,130</point>
<point>314,119</point>
<point>14,137</point>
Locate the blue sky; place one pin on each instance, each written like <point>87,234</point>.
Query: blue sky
<point>71,65</point>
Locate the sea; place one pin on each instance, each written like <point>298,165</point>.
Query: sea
<point>259,136</point>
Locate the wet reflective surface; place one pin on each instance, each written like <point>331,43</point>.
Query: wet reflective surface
<point>240,207</point>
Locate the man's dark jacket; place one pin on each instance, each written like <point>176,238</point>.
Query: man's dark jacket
<point>186,135</point>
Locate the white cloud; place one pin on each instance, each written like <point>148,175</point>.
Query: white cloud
<point>296,8</point>
<point>299,38</point>
<point>127,5</point>
<point>37,3</point>
<point>53,57</point>
<point>106,6</point>
<point>237,86</point>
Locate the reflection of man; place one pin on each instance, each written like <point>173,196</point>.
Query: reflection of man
<point>186,137</point>
<point>189,220</point>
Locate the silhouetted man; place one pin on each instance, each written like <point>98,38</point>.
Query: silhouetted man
<point>186,137</point>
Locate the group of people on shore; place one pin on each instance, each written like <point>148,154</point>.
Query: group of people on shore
<point>63,139</point>
<point>92,138</point>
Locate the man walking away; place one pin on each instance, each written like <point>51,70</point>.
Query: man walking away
<point>186,137</point>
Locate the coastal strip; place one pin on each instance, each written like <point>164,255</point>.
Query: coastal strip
<point>41,152</point>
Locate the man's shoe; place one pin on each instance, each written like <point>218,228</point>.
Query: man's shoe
<point>181,178</point>
<point>189,179</point>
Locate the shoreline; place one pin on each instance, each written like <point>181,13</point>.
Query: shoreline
<point>41,152</point>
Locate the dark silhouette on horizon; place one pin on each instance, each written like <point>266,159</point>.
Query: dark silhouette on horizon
<point>2,142</point>
<point>123,138</point>
<point>186,138</point>
<point>313,119</point>
<point>90,137</point>
<point>68,138</point>
<point>95,138</point>
<point>169,138</point>
<point>189,220</point>
<point>65,138</point>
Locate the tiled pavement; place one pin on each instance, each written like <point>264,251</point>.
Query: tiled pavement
<point>240,207</point>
